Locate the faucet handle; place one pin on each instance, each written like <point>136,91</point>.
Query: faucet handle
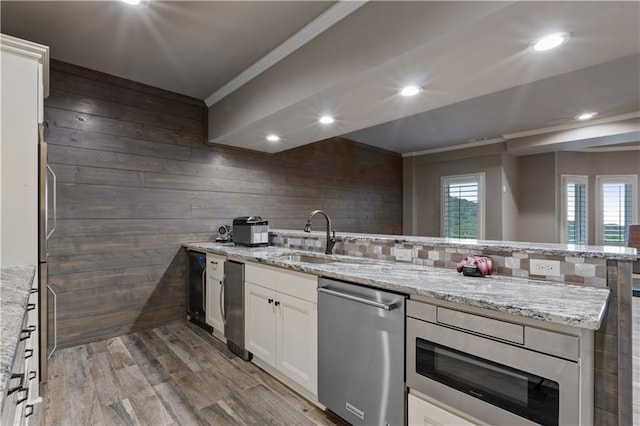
<point>330,243</point>
<point>307,227</point>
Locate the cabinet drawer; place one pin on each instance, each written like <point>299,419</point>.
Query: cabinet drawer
<point>215,265</point>
<point>423,413</point>
<point>260,274</point>
<point>297,284</point>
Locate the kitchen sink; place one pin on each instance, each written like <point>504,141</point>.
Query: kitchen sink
<point>296,257</point>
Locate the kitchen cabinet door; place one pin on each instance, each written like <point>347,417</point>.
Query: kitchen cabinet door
<point>297,340</point>
<point>260,330</point>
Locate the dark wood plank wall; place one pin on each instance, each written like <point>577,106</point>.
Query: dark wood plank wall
<point>613,353</point>
<point>136,179</point>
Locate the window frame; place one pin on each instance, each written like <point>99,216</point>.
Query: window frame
<point>625,179</point>
<point>452,179</point>
<point>579,180</point>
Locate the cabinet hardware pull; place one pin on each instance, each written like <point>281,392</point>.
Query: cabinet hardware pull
<point>17,388</point>
<point>213,262</point>
<point>30,408</point>
<point>31,306</point>
<point>26,395</point>
<point>34,290</point>
<point>270,301</point>
<point>276,303</point>
<point>32,375</point>
<point>28,353</point>
<point>28,332</point>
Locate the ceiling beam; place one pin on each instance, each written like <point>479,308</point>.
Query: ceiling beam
<point>334,14</point>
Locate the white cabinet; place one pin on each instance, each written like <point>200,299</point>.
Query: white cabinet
<point>424,413</point>
<point>281,322</point>
<point>297,340</point>
<point>215,277</point>
<point>23,76</point>
<point>260,333</point>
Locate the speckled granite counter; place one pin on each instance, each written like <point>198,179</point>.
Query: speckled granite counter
<point>572,305</point>
<point>574,250</point>
<point>15,287</point>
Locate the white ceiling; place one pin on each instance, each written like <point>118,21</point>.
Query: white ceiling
<point>188,47</point>
<point>479,77</point>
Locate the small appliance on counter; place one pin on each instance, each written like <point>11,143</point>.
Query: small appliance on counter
<point>225,234</point>
<point>251,231</point>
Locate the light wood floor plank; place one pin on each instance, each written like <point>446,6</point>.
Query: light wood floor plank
<point>267,401</point>
<point>56,397</point>
<point>120,414</point>
<point>190,338</point>
<point>83,399</point>
<point>133,384</point>
<point>183,351</point>
<point>180,410</point>
<point>153,370</point>
<point>119,356</point>
<point>104,379</point>
<point>221,414</point>
<point>151,412</point>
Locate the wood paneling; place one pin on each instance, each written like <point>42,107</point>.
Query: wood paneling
<point>613,393</point>
<point>136,179</point>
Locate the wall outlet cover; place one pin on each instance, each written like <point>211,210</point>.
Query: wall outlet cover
<point>549,268</point>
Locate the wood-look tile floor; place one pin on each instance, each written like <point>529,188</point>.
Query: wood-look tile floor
<point>172,375</point>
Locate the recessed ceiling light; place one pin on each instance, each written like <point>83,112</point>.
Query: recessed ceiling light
<point>132,2</point>
<point>326,119</point>
<point>586,116</point>
<point>273,138</point>
<point>410,90</point>
<point>550,41</point>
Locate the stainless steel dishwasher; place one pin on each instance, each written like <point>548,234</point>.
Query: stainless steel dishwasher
<point>361,349</point>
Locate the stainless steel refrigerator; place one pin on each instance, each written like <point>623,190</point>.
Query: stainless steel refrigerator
<point>47,221</point>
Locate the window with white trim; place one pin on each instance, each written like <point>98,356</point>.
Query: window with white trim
<point>616,208</point>
<point>462,214</point>
<point>574,209</point>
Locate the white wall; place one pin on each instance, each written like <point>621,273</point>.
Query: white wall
<point>422,192</point>
<point>592,164</point>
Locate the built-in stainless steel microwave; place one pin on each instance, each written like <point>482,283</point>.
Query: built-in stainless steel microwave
<point>494,377</point>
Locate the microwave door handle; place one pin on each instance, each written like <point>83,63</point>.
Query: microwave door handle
<point>55,202</point>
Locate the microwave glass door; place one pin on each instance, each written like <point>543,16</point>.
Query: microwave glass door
<point>527,395</point>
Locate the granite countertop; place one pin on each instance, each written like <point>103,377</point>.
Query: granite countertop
<point>573,305</point>
<point>15,288</point>
<point>574,250</point>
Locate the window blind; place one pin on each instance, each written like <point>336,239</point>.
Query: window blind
<point>617,208</point>
<point>460,209</point>
<point>576,208</point>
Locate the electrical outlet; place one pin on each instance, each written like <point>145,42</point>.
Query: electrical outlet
<point>550,268</point>
<point>402,254</point>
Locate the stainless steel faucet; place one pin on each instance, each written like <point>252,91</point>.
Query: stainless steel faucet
<point>331,240</point>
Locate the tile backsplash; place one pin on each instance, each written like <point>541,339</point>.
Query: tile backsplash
<point>579,270</point>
